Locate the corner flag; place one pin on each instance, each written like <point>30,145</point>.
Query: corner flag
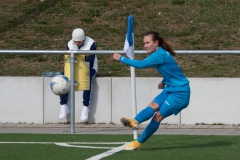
<point>129,42</point>
<point>129,49</point>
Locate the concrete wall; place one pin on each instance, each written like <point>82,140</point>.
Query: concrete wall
<point>30,100</point>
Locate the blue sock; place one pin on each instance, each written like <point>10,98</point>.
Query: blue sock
<point>145,114</point>
<point>149,130</point>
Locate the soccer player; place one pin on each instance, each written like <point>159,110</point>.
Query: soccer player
<point>80,41</point>
<point>175,95</point>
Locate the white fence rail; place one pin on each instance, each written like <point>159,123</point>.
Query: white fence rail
<point>109,52</point>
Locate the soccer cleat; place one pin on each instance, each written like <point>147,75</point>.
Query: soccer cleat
<point>84,116</point>
<point>134,145</point>
<point>64,111</point>
<point>130,122</point>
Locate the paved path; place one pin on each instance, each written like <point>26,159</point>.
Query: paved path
<point>118,129</point>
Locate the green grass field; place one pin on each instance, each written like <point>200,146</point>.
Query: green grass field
<point>165,147</point>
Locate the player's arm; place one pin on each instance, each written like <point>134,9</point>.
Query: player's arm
<point>150,61</point>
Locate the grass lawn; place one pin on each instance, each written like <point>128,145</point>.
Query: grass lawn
<point>167,147</point>
<point>185,24</point>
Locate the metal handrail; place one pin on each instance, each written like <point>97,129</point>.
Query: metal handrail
<point>109,52</point>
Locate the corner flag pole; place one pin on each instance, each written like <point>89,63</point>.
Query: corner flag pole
<point>129,49</point>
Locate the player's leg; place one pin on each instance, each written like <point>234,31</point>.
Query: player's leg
<point>177,100</point>
<point>87,97</point>
<point>146,113</point>
<point>142,116</point>
<point>64,111</point>
<point>63,99</point>
<point>154,124</point>
<point>150,129</point>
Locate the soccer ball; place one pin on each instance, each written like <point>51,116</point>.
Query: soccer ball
<point>60,85</point>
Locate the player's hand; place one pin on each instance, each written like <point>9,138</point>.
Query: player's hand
<point>161,85</point>
<point>116,56</point>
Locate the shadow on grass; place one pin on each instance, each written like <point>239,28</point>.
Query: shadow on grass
<point>206,145</point>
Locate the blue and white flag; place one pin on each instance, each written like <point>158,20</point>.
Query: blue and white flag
<point>129,42</point>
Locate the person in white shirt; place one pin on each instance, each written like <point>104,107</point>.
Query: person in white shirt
<point>80,41</point>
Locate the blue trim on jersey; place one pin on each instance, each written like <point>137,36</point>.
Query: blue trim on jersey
<point>93,46</point>
<point>165,65</point>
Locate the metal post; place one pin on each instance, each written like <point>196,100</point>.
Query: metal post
<point>72,93</point>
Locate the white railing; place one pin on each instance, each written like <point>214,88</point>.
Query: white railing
<point>109,52</point>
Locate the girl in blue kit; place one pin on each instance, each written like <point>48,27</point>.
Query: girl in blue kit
<point>175,95</point>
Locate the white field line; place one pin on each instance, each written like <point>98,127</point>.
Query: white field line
<point>108,153</point>
<point>64,142</point>
<point>68,144</point>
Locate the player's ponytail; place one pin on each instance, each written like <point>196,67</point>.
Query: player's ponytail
<point>161,42</point>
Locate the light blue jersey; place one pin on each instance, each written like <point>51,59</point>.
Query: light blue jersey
<point>165,65</point>
<point>174,97</point>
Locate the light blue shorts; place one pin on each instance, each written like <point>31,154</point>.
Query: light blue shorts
<point>173,99</point>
